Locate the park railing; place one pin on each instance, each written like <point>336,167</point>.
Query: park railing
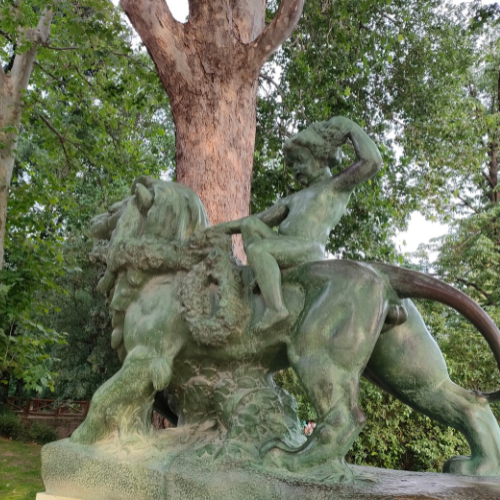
<point>48,407</point>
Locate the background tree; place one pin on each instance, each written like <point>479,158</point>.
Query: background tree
<point>93,120</point>
<point>418,75</point>
<point>27,32</point>
<point>392,66</point>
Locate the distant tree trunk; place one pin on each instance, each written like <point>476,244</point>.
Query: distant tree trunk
<point>4,387</point>
<point>493,146</point>
<point>12,86</point>
<point>210,68</point>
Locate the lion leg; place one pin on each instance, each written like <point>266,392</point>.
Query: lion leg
<point>330,351</point>
<point>124,403</point>
<point>408,363</point>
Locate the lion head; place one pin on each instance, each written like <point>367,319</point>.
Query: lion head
<point>148,230</point>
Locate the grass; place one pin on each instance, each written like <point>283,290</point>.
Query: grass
<point>20,468</point>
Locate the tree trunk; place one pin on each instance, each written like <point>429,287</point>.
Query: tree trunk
<point>12,86</point>
<point>210,68</point>
<point>215,140</point>
<point>493,172</point>
<point>492,176</point>
<point>4,388</point>
<point>10,116</point>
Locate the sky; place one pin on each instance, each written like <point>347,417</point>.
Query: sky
<point>179,9</point>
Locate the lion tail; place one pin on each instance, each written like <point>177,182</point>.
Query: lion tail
<point>414,285</point>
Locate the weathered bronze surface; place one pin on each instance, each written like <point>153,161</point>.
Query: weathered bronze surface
<point>199,339</point>
<point>96,474</point>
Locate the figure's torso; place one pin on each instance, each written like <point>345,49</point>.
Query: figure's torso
<point>313,213</point>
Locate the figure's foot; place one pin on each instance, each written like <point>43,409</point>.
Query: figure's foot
<point>468,466</point>
<point>271,318</point>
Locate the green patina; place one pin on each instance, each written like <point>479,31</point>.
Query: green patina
<point>200,335</point>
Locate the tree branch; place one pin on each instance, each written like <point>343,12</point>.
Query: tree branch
<point>61,139</point>
<point>467,204</point>
<point>272,82</point>
<point>487,177</point>
<point>130,58</point>
<point>279,29</point>
<point>486,295</point>
<point>47,46</point>
<point>44,70</point>
<point>6,35</point>
<point>82,77</point>
<point>163,36</point>
<point>23,64</point>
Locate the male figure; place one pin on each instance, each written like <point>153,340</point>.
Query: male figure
<point>306,218</point>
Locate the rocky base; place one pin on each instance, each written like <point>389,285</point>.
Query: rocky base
<point>91,473</point>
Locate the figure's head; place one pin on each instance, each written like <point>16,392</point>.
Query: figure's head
<point>313,150</point>
<point>304,165</point>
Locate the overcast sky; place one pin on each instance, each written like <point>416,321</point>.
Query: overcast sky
<point>179,9</point>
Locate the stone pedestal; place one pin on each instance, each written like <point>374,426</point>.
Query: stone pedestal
<point>47,496</point>
<point>85,473</point>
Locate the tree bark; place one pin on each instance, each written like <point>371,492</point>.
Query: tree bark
<point>210,68</point>
<point>12,86</point>
<point>493,152</point>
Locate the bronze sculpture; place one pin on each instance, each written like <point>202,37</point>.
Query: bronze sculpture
<point>191,329</point>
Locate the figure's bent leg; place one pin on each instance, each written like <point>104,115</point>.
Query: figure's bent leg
<point>253,229</point>
<point>408,363</point>
<point>268,277</point>
<point>329,354</point>
<point>266,256</point>
<point>257,239</point>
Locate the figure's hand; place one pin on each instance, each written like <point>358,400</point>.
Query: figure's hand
<point>340,129</point>
<point>217,230</point>
<point>368,159</point>
<point>202,238</point>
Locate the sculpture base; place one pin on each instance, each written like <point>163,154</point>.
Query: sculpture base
<point>46,496</point>
<point>106,473</point>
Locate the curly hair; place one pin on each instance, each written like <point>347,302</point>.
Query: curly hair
<point>322,139</point>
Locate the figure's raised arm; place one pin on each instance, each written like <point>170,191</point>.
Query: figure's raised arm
<point>368,160</point>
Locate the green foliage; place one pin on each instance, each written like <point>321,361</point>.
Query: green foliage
<point>12,427</point>
<point>41,433</point>
<point>94,118</point>
<point>287,379</point>
<point>397,437</point>
<point>392,66</point>
<point>86,360</point>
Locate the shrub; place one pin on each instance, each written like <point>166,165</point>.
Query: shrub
<point>12,427</point>
<point>41,433</point>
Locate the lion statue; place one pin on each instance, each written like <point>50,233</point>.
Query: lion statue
<point>182,312</point>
